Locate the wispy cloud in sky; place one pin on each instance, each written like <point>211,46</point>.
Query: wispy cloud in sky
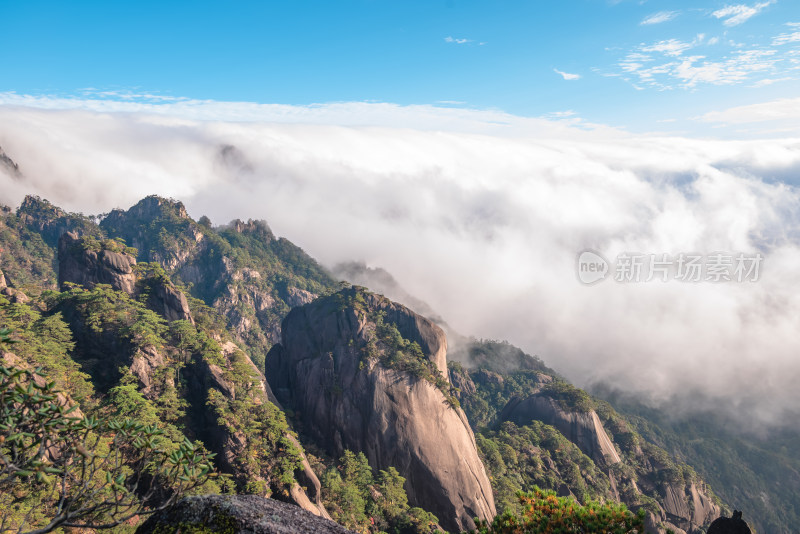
<point>567,75</point>
<point>669,47</point>
<point>450,39</point>
<point>680,64</point>
<point>660,17</point>
<point>789,37</point>
<point>740,13</point>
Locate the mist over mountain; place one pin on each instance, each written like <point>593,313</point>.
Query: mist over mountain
<point>486,229</point>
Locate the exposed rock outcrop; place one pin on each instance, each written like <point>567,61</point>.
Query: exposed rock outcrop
<point>584,429</point>
<point>348,400</point>
<point>237,514</point>
<point>170,302</point>
<point>146,361</point>
<point>79,264</point>
<point>88,268</point>
<point>13,295</point>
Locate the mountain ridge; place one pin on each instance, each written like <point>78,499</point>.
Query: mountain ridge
<point>238,283</point>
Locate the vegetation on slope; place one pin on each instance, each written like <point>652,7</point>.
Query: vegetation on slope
<point>538,454</point>
<point>61,468</point>
<point>366,503</point>
<point>543,512</point>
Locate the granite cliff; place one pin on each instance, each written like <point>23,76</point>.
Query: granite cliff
<point>342,372</point>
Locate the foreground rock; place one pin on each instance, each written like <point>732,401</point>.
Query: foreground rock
<point>234,514</point>
<point>331,370</point>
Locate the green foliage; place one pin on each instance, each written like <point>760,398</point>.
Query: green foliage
<point>270,457</point>
<point>59,468</point>
<point>46,342</point>
<point>518,458</point>
<point>368,504</point>
<point>568,396</point>
<point>26,258</point>
<point>98,244</point>
<point>494,391</point>
<point>396,352</point>
<point>105,310</point>
<point>542,512</point>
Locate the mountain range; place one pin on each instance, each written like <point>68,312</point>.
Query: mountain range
<point>314,388</point>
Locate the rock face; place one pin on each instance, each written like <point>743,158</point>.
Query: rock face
<point>237,514</point>
<point>170,302</point>
<point>582,428</point>
<point>89,267</point>
<point>348,400</point>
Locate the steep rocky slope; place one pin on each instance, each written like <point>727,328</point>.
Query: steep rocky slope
<point>221,375</point>
<point>345,366</point>
<point>241,269</point>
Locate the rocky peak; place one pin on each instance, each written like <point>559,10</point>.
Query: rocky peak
<point>38,212</point>
<point>331,370</point>
<point>51,221</point>
<point>257,228</point>
<point>154,206</point>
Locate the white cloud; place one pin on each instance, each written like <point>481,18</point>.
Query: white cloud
<point>660,17</point>
<point>786,38</point>
<point>738,14</point>
<point>561,114</point>
<point>355,114</point>
<point>567,75</point>
<point>450,39</point>
<point>782,110</point>
<point>483,227</point>
<point>669,47</point>
<point>769,81</point>
<point>666,65</point>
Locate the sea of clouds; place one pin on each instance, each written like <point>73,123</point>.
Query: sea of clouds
<point>481,215</point>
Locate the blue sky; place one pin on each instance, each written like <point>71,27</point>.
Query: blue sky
<point>640,65</point>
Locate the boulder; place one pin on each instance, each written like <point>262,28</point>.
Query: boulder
<point>170,302</point>
<point>237,514</point>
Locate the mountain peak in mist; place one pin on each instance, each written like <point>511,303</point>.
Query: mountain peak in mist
<point>9,165</point>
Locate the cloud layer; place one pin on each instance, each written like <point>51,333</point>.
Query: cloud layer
<point>486,229</point>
